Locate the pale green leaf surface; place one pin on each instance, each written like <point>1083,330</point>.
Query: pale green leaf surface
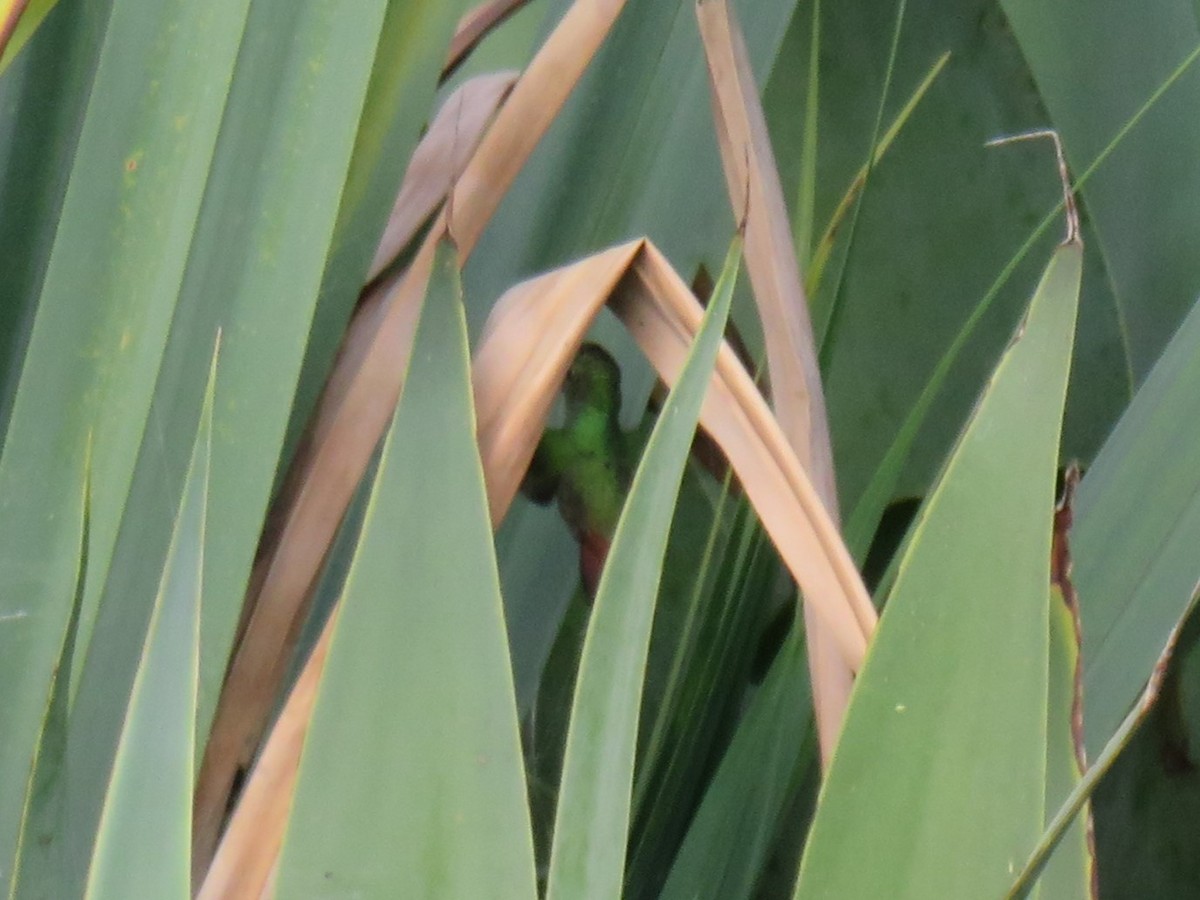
<point>731,835</point>
<point>1068,872</point>
<point>143,844</point>
<point>411,783</point>
<point>1137,524</point>
<point>135,189</point>
<point>254,264</point>
<point>32,871</point>
<point>962,737</point>
<point>592,821</point>
<point>42,100</point>
<point>1095,62</point>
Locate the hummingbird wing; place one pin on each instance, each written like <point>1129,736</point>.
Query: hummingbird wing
<point>550,460</point>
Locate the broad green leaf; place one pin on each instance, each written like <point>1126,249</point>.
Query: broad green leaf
<point>411,782</point>
<point>904,301</point>
<point>733,831</point>
<point>1136,526</point>
<point>961,737</point>
<point>592,822</point>
<point>134,193</point>
<point>333,172</point>
<point>42,100</point>
<point>1094,64</point>
<point>252,262</point>
<point>1092,371</point>
<point>32,871</point>
<point>143,845</point>
<point>409,56</point>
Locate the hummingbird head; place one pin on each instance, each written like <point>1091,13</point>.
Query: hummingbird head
<point>593,381</point>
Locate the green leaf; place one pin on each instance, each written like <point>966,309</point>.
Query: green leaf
<point>733,831</point>
<point>135,186</point>
<point>1094,64</point>
<point>411,783</point>
<point>592,823</point>
<point>1137,522</point>
<point>712,604</point>
<point>143,844</point>
<point>42,102</point>
<point>411,49</point>
<point>32,16</point>
<point>961,737</point>
<point>1068,873</point>
<point>250,260</point>
<point>34,870</point>
<point>1113,751</point>
<point>904,301</point>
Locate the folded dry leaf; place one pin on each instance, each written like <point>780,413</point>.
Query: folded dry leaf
<point>354,410</point>
<point>443,152</point>
<point>797,397</point>
<point>473,27</point>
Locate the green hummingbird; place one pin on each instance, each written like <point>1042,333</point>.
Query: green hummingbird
<point>588,463</point>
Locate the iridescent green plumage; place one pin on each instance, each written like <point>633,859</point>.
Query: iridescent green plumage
<point>588,463</point>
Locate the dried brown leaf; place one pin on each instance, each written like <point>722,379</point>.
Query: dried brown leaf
<point>247,857</point>
<point>354,410</point>
<point>528,344</point>
<point>662,315</point>
<point>353,417</point>
<point>753,181</point>
<point>474,26</point>
<point>452,138</point>
<point>532,335</point>
<point>533,104</point>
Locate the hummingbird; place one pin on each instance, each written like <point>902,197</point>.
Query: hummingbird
<point>587,464</point>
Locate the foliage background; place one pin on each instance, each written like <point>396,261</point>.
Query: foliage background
<point>171,173</point>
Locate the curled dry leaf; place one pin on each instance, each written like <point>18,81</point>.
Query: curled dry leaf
<point>753,182</point>
<point>662,315</point>
<point>473,27</point>
<point>527,346</point>
<point>530,340</point>
<point>354,411</point>
<point>533,104</point>
<point>453,136</point>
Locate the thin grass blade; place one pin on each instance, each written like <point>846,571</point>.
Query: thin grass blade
<point>143,844</point>
<point>592,821</point>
